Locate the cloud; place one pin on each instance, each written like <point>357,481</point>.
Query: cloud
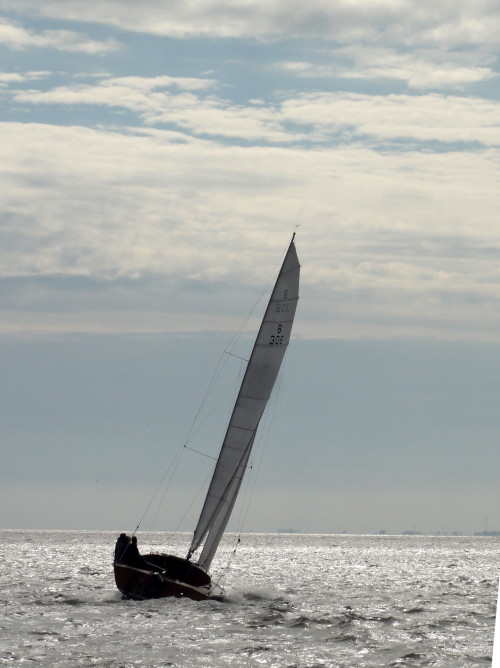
<point>8,78</point>
<point>156,105</point>
<point>16,37</point>
<point>431,117</point>
<point>130,92</point>
<point>315,118</point>
<point>376,227</point>
<point>445,24</point>
<point>427,70</point>
<point>395,192</point>
<point>420,67</point>
<point>443,47</point>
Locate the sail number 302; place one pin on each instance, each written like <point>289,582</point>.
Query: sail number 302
<point>281,307</point>
<point>276,339</point>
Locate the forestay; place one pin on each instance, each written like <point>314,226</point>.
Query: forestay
<point>256,387</point>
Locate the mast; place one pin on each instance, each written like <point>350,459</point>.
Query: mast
<point>260,375</point>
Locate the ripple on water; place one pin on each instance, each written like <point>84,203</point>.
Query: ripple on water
<point>377,601</point>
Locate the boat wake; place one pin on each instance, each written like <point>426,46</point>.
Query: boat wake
<point>249,594</point>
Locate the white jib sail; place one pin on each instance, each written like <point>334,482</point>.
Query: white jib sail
<point>256,387</point>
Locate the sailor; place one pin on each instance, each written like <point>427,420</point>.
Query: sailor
<point>133,557</point>
<point>127,552</point>
<point>121,547</point>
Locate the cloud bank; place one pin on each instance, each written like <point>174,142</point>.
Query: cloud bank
<point>372,125</point>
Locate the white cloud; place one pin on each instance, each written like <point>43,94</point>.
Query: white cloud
<point>311,117</point>
<point>430,117</point>
<point>156,105</point>
<point>136,93</point>
<point>375,229</point>
<point>396,194</point>
<point>7,78</point>
<point>16,37</point>
<point>463,23</point>
<point>419,70</point>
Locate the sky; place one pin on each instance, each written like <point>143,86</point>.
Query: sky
<point>155,160</point>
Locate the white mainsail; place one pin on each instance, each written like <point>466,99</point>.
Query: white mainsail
<point>256,387</point>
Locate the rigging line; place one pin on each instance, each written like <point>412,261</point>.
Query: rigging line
<point>230,346</point>
<point>195,429</point>
<point>167,487</point>
<point>242,505</point>
<point>245,359</point>
<point>192,502</point>
<point>195,424</point>
<point>189,435</point>
<point>265,439</point>
<point>244,323</point>
<point>217,372</point>
<point>200,453</point>
<point>176,459</point>
<point>225,569</point>
<point>176,455</point>
<point>245,504</point>
<point>265,290</point>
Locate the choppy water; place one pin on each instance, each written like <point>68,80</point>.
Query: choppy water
<point>294,600</point>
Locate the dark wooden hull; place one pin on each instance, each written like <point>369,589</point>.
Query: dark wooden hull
<point>172,576</point>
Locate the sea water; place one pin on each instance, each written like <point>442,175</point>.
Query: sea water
<point>293,600</point>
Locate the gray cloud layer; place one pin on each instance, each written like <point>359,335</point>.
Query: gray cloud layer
<point>448,24</point>
<point>355,136</point>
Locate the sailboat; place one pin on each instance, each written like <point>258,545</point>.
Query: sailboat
<point>160,575</point>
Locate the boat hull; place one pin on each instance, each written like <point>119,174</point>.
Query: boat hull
<point>172,576</point>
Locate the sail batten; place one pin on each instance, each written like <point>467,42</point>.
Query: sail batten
<point>256,387</point>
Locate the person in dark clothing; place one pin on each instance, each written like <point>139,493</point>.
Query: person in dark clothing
<point>127,552</point>
<point>121,547</point>
<point>133,557</point>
